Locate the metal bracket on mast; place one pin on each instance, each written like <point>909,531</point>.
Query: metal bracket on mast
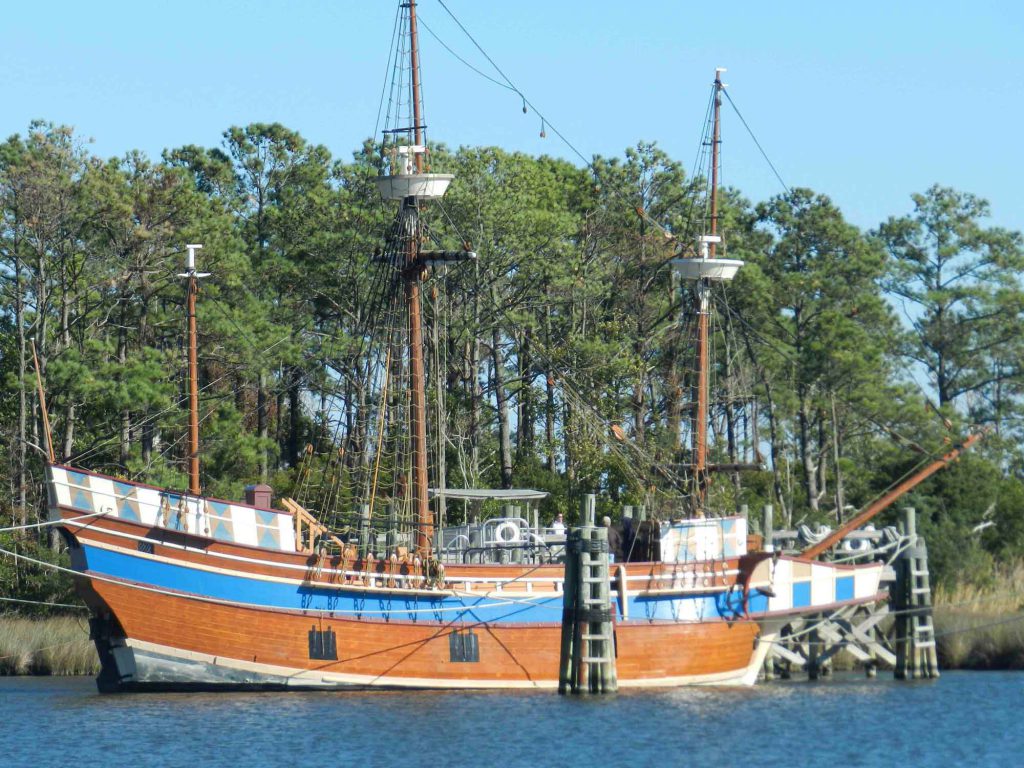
<point>190,263</point>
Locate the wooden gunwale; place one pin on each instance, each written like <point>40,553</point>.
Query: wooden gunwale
<point>202,550</point>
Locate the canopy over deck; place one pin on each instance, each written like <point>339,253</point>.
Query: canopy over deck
<point>490,494</point>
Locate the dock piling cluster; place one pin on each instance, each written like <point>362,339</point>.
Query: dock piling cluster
<point>587,658</point>
<point>916,655</point>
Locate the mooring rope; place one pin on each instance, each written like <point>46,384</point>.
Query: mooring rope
<point>43,602</point>
<point>51,522</point>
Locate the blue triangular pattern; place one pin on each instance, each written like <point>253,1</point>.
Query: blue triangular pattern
<point>123,489</point>
<point>82,501</point>
<point>78,478</point>
<point>268,538</point>
<point>265,517</point>
<point>128,511</point>
<point>220,529</point>
<point>218,507</point>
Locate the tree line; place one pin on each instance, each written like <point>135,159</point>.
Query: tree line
<point>560,359</point>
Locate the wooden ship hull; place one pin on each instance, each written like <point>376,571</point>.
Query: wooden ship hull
<point>189,592</point>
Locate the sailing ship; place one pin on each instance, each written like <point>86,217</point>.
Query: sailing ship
<point>188,591</point>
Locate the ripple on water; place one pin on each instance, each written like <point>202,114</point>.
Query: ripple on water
<point>963,718</point>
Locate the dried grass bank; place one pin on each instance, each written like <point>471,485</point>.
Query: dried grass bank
<point>982,627</point>
<point>55,645</point>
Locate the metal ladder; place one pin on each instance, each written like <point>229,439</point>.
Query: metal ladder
<point>587,660</point>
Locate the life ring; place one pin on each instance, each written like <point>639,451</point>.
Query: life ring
<point>856,545</point>
<point>506,533</point>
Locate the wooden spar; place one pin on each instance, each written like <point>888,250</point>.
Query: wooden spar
<point>411,277</point>
<point>700,433</point>
<point>418,407</point>
<point>42,407</point>
<point>414,65</point>
<point>888,498</point>
<point>380,429</point>
<point>715,142</point>
<point>193,392</point>
<point>192,288</point>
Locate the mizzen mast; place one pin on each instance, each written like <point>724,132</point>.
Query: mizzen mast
<point>702,269</point>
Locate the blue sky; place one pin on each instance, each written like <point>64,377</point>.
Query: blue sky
<point>867,102</point>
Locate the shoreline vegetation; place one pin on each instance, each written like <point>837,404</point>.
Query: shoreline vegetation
<point>51,645</point>
<point>982,627</point>
<point>977,627</point>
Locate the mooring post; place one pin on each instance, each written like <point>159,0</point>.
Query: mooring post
<point>813,651</point>
<point>767,530</point>
<point>916,655</point>
<point>587,653</point>
<point>567,668</point>
<point>900,600</point>
<point>910,524</point>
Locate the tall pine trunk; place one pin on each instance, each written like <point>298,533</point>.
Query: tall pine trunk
<point>501,399</point>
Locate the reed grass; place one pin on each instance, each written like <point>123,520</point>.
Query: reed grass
<point>981,626</point>
<point>54,645</point>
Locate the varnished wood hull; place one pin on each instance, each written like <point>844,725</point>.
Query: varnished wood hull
<point>162,641</point>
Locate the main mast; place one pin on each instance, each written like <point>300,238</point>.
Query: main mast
<point>407,181</point>
<point>702,270</point>
<point>411,277</point>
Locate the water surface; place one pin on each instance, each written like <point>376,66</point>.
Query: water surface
<point>961,719</point>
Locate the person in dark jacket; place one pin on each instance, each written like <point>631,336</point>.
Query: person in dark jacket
<point>614,539</point>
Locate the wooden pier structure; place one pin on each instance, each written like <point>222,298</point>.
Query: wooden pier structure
<point>898,634</point>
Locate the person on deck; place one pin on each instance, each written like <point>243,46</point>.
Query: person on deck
<point>627,537</point>
<point>558,525</point>
<point>614,539</point>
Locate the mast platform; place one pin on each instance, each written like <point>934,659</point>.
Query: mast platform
<point>706,269</point>
<point>423,186</point>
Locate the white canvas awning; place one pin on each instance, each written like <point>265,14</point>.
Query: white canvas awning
<point>491,494</point>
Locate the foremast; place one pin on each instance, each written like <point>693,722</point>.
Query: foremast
<point>192,289</point>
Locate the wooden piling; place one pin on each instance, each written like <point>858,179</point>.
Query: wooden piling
<point>587,658</point>
<point>916,655</point>
<point>570,605</point>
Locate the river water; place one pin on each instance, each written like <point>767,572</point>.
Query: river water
<point>961,719</point>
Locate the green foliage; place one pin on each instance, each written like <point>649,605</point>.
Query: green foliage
<point>561,356</point>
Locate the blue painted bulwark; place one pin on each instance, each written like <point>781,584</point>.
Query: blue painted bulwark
<point>802,594</point>
<point>844,588</point>
<point>375,605</point>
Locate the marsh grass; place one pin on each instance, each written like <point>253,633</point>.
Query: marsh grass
<point>55,645</point>
<point>982,626</point>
